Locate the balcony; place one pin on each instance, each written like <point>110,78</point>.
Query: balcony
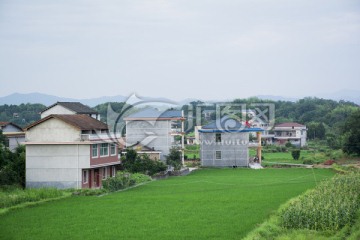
<point>108,137</point>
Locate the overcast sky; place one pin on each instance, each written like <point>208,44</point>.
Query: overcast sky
<point>179,49</point>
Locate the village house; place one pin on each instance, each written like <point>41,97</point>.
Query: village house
<point>156,130</point>
<point>225,143</point>
<point>13,133</point>
<point>69,151</point>
<point>69,108</point>
<point>292,132</point>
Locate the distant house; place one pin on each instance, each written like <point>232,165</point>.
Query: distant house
<point>14,134</point>
<point>69,108</point>
<point>144,150</point>
<point>292,132</point>
<point>69,151</point>
<point>156,129</point>
<point>225,143</point>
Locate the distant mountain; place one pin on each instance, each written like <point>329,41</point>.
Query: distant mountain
<point>18,98</point>
<point>344,94</point>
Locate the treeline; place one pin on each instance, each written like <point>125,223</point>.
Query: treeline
<point>22,115</point>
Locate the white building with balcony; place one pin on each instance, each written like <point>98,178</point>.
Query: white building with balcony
<point>292,132</point>
<point>157,130</point>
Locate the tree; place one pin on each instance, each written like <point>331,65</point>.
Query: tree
<point>352,134</point>
<point>174,158</point>
<point>295,154</point>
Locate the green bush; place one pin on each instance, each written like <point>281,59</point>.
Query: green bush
<point>135,163</point>
<point>309,162</point>
<point>295,154</point>
<point>124,180</point>
<point>330,206</point>
<point>89,192</point>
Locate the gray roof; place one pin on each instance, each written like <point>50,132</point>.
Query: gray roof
<point>80,121</point>
<point>75,106</point>
<point>154,113</point>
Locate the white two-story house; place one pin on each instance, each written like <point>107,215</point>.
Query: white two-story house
<point>69,151</point>
<point>292,132</point>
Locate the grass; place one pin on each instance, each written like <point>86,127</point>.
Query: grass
<point>207,204</point>
<point>15,196</point>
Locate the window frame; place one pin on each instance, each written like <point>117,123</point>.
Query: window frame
<point>85,176</point>
<point>216,155</point>
<point>92,150</point>
<point>218,137</point>
<point>113,171</point>
<point>113,147</point>
<point>104,173</point>
<point>102,150</point>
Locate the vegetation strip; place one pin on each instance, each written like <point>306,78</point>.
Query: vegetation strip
<point>174,208</point>
<point>330,211</point>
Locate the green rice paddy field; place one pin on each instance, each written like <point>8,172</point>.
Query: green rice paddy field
<point>207,204</point>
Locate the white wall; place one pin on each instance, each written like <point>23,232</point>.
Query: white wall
<point>57,109</point>
<point>53,130</point>
<point>56,165</point>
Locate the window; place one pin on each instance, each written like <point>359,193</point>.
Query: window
<point>217,155</point>
<point>104,149</point>
<point>85,176</point>
<point>94,150</point>
<point>104,173</point>
<point>113,171</point>
<point>113,149</point>
<point>218,137</point>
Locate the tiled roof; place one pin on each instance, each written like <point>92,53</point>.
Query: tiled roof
<point>82,122</point>
<point>74,106</point>
<point>156,114</point>
<point>3,124</point>
<point>289,124</point>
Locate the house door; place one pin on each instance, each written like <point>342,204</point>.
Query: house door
<point>96,178</point>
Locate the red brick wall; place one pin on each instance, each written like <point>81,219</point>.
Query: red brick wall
<point>103,159</point>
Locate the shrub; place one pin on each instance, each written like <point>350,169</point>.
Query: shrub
<point>288,145</point>
<point>308,161</point>
<point>89,192</point>
<point>135,163</point>
<point>295,154</point>
<point>174,158</point>
<point>120,181</point>
<point>124,180</point>
<point>330,206</point>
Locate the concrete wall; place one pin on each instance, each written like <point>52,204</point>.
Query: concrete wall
<point>53,130</point>
<point>153,134</point>
<point>233,147</point>
<point>57,109</point>
<point>57,166</point>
